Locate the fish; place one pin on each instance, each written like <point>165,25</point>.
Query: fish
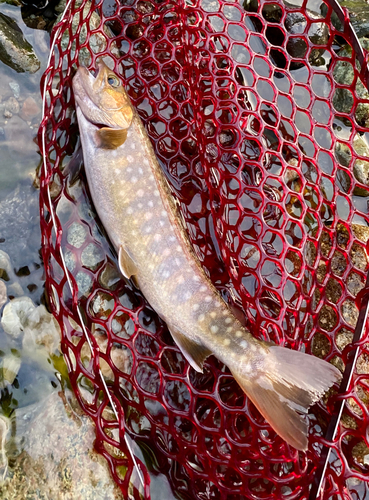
<point>141,217</point>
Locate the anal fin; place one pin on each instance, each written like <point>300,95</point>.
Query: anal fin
<point>127,266</point>
<point>194,352</point>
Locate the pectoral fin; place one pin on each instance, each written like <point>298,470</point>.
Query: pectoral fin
<point>127,266</point>
<point>194,353</point>
<point>110,138</point>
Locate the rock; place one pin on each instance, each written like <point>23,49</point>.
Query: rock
<point>9,368</point>
<point>41,331</point>
<point>20,226</point>
<point>12,105</point>
<point>97,41</point>
<point>92,256</point>
<point>30,109</point>
<point>359,15</point>
<point>4,429</point>
<point>15,315</point>
<point>3,295</point>
<point>15,51</point>
<point>52,455</point>
<point>76,235</point>
<point>15,89</point>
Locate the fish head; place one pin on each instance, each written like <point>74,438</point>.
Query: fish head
<point>102,99</point>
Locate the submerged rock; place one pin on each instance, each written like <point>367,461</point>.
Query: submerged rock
<point>40,330</point>
<point>3,294</point>
<point>9,368</point>
<point>15,51</point>
<point>15,315</point>
<point>4,428</point>
<point>52,455</point>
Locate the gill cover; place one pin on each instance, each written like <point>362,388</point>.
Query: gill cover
<point>102,99</point>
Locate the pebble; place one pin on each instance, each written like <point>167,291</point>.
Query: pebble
<point>30,109</point>
<point>15,315</point>
<point>4,428</point>
<point>15,88</point>
<point>12,105</point>
<point>3,295</point>
<point>9,368</point>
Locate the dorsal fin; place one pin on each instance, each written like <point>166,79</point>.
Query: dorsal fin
<point>111,138</point>
<point>194,353</point>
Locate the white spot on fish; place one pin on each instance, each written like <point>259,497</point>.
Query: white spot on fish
<point>228,320</point>
<point>133,145</point>
<point>195,307</point>
<point>201,317</point>
<point>203,289</point>
<point>150,204</point>
<point>208,298</point>
<point>246,368</point>
<point>157,237</point>
<point>243,344</point>
<point>239,333</point>
<point>213,314</point>
<point>226,341</point>
<point>116,170</point>
<point>148,229</point>
<point>129,169</point>
<point>225,312</point>
<point>214,329</point>
<point>163,213</point>
<point>177,261</point>
<point>196,278</point>
<point>129,210</point>
<point>156,193</point>
<point>148,215</point>
<point>253,347</point>
<point>162,223</point>
<point>140,193</point>
<point>166,274</point>
<point>146,161</point>
<point>130,158</point>
<point>181,280</point>
<point>166,252</point>
<point>140,205</point>
<point>229,329</point>
<point>217,304</point>
<point>178,248</point>
<point>134,180</point>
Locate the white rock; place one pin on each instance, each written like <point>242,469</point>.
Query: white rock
<point>15,315</point>
<point>3,295</point>
<point>9,368</point>
<point>41,331</point>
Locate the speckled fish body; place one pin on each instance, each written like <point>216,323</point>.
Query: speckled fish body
<point>135,206</point>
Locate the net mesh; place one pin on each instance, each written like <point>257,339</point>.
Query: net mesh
<point>259,118</point>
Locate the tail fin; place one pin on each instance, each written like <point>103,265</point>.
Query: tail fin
<point>290,384</point>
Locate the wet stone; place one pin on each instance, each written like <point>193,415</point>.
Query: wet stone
<point>9,368</point>
<point>15,51</point>
<point>15,315</point>
<point>53,457</point>
<point>343,338</point>
<point>338,263</point>
<point>3,294</point>
<point>76,235</point>
<point>355,283</point>
<point>359,257</point>
<point>92,256</point>
<point>361,232</point>
<point>359,15</point>
<point>84,283</point>
<point>320,345</point>
<point>350,312</point>
<point>4,428</point>
<point>327,318</point>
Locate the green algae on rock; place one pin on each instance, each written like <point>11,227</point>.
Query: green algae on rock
<point>15,51</point>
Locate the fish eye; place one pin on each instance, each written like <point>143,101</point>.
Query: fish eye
<point>113,81</point>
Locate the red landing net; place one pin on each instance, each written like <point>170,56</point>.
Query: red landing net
<point>260,121</point>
